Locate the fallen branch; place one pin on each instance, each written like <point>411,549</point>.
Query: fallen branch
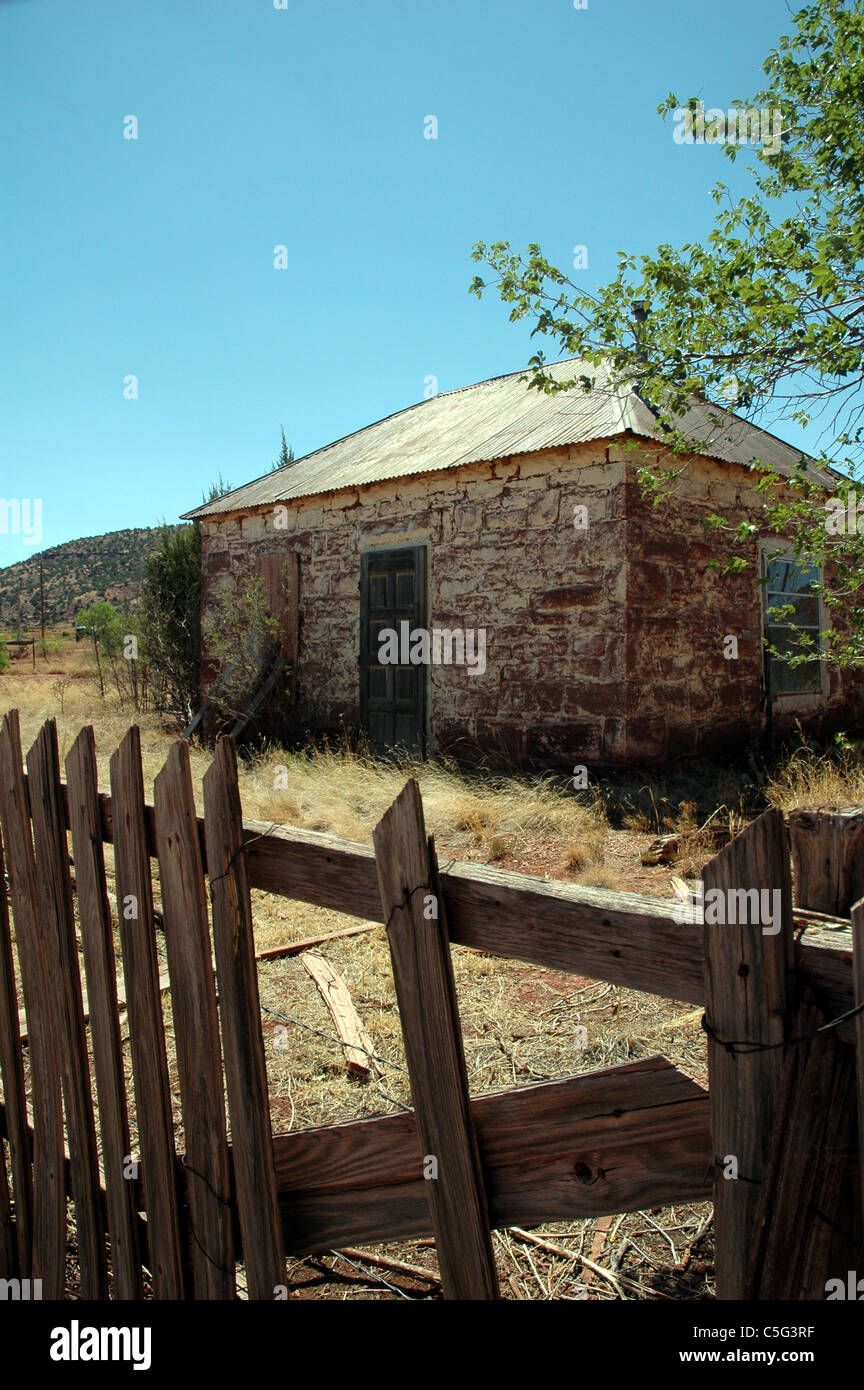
<point>387,1262</point>
<point>616,1280</point>
<point>601,1232</point>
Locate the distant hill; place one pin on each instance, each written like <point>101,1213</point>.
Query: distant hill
<point>76,575</point>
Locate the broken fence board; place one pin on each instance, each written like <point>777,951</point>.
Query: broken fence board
<point>243,1042</point>
<point>196,1027</point>
<point>146,1032</point>
<point>100,966</point>
<point>49,1154</point>
<point>423,975</point>
<point>358,1048</point>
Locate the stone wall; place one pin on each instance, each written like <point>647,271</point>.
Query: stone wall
<point>504,555</point>
<point>603,644</point>
<point>685,695</point>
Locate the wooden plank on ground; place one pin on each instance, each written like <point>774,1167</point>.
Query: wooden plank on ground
<point>243,1042</point>
<point>49,1172</point>
<point>828,857</point>
<point>747,972</point>
<point>358,1048</point>
<point>800,1198</point>
<point>52,867</point>
<point>146,1030</point>
<point>310,943</point>
<point>100,967</point>
<point>14,1088</point>
<point>629,939</point>
<point>623,1139</point>
<point>196,1027</point>
<point>420,950</point>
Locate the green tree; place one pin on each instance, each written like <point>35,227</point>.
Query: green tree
<point>5,663</point>
<point>220,488</point>
<point>170,619</point>
<point>767,312</point>
<point>105,626</point>
<point>285,457</point>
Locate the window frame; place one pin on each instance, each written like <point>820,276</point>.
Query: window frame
<point>783,550</point>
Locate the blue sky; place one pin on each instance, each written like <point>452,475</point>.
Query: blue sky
<point>303,127</point>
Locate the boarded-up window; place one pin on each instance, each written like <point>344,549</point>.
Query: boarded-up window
<point>792,613</point>
<point>280,572</point>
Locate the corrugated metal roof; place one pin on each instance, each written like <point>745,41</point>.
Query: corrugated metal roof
<point>490,420</point>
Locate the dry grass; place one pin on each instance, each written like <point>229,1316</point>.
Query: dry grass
<point>810,776</point>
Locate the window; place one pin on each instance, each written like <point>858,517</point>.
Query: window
<point>789,586</point>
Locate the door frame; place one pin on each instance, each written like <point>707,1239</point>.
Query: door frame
<point>421,548</point>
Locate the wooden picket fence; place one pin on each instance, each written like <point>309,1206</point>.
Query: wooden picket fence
<point>773,1140</point>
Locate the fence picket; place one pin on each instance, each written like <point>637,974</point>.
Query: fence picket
<point>144,1008</point>
<point>52,866</point>
<point>243,1044</point>
<point>196,1026</point>
<point>49,1156</point>
<point>100,967</point>
<point>14,1090</point>
<point>423,973</point>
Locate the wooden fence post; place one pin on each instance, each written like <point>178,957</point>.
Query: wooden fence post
<point>242,1040</point>
<point>99,962</point>
<point>414,912</point>
<point>747,975</point>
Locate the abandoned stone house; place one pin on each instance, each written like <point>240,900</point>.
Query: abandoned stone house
<point>481,570</point>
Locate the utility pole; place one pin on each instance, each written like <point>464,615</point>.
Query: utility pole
<point>42,603</point>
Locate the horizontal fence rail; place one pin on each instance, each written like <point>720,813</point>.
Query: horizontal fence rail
<point>628,939</point>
